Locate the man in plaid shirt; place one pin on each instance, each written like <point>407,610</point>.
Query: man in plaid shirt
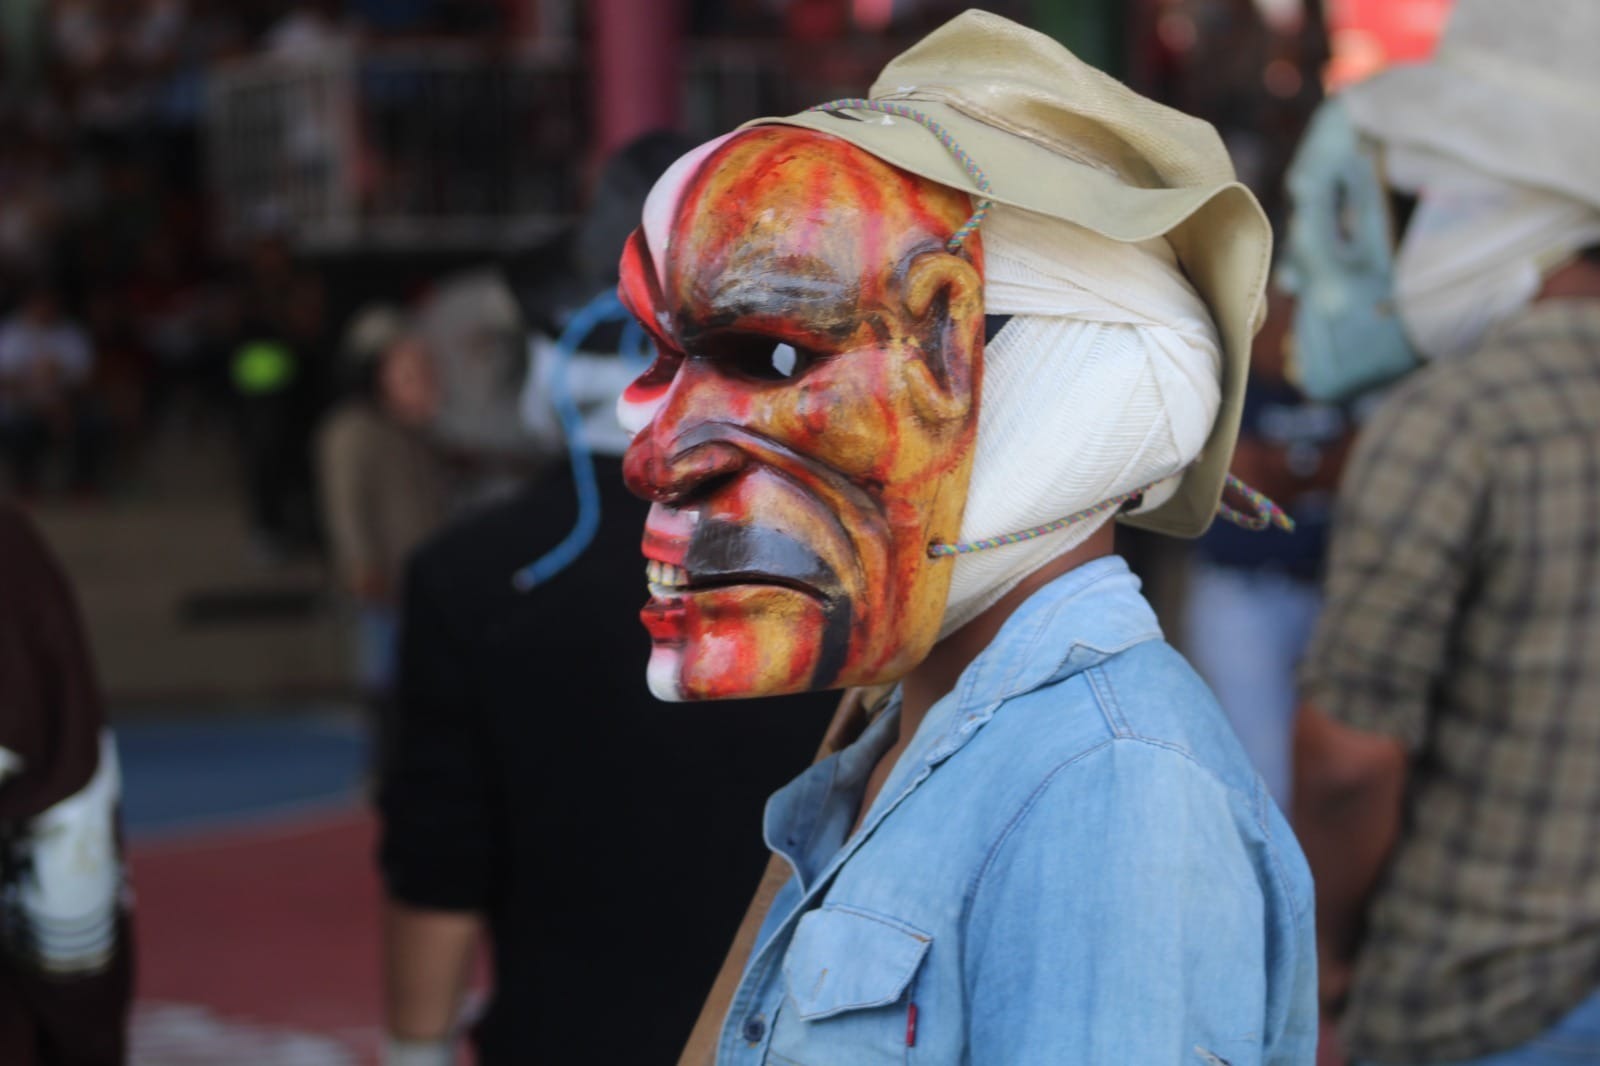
<point>1448,746</point>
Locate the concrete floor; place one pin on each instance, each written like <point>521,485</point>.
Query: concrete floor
<point>181,606</point>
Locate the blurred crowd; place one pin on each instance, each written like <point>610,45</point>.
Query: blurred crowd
<point>121,307</point>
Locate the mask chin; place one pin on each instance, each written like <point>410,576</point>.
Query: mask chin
<point>662,675</point>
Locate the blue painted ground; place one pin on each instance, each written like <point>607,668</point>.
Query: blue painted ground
<point>192,773</point>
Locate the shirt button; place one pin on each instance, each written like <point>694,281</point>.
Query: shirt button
<point>754,1029</point>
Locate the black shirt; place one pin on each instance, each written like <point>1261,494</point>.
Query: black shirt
<point>612,841</point>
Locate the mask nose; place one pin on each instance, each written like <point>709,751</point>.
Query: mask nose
<point>672,458</point>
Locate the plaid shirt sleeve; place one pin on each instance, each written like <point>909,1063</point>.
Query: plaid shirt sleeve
<point>1404,546</point>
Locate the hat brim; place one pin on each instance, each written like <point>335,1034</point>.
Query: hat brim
<point>1219,233</point>
<point>1512,131</point>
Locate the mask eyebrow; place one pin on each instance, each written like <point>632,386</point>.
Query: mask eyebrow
<point>806,301</point>
<point>715,336</point>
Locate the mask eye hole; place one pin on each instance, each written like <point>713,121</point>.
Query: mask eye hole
<point>753,357</point>
<point>785,360</point>
<point>1401,205</point>
<point>1344,219</point>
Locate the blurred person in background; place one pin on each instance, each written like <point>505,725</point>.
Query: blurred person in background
<point>533,784</point>
<point>1447,763</point>
<point>65,956</point>
<point>165,308</point>
<point>278,370</point>
<point>309,29</point>
<point>46,362</point>
<point>32,201</point>
<point>383,481</point>
<point>471,322</point>
<point>1253,596</point>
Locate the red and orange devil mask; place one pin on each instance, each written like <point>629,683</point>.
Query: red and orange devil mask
<point>807,426</point>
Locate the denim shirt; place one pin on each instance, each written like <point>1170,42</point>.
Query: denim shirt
<point>1072,862</point>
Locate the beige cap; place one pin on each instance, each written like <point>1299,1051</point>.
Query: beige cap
<point>1054,135</point>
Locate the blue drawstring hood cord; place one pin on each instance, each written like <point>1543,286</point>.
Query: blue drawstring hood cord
<point>601,310</point>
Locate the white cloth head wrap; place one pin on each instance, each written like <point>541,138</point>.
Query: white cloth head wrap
<point>1476,249</point>
<point>1106,379</point>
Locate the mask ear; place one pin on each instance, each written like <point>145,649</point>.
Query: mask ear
<point>944,295</point>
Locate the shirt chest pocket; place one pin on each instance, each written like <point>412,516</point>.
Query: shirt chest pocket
<point>848,976</point>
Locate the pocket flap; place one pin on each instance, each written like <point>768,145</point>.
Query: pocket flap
<point>845,959</point>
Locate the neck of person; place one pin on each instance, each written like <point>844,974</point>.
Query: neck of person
<point>938,673</point>
<point>1577,280</point>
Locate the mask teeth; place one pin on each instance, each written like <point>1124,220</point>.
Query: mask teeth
<point>665,576</point>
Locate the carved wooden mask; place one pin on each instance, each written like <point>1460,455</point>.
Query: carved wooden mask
<point>807,426</point>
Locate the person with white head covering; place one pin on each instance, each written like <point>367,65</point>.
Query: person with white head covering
<point>913,353</point>
<point>1447,779</point>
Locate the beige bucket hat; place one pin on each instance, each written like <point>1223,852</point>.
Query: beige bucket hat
<point>1512,90</point>
<point>1052,134</point>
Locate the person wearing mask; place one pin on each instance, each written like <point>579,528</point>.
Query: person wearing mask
<point>1447,784</point>
<point>914,354</point>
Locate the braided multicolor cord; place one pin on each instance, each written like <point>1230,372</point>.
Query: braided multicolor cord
<point>979,179</point>
<point>1266,513</point>
<point>936,549</point>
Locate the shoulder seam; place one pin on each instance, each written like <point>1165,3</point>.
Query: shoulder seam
<point>1270,843</point>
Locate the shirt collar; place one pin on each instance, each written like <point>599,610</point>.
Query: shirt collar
<point>1073,623</point>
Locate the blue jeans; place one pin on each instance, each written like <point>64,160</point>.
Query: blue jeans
<point>1244,631</point>
<point>1572,1040</point>
<point>377,647</point>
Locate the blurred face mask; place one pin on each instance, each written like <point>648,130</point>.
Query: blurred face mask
<point>1341,265</point>
<point>808,425</point>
